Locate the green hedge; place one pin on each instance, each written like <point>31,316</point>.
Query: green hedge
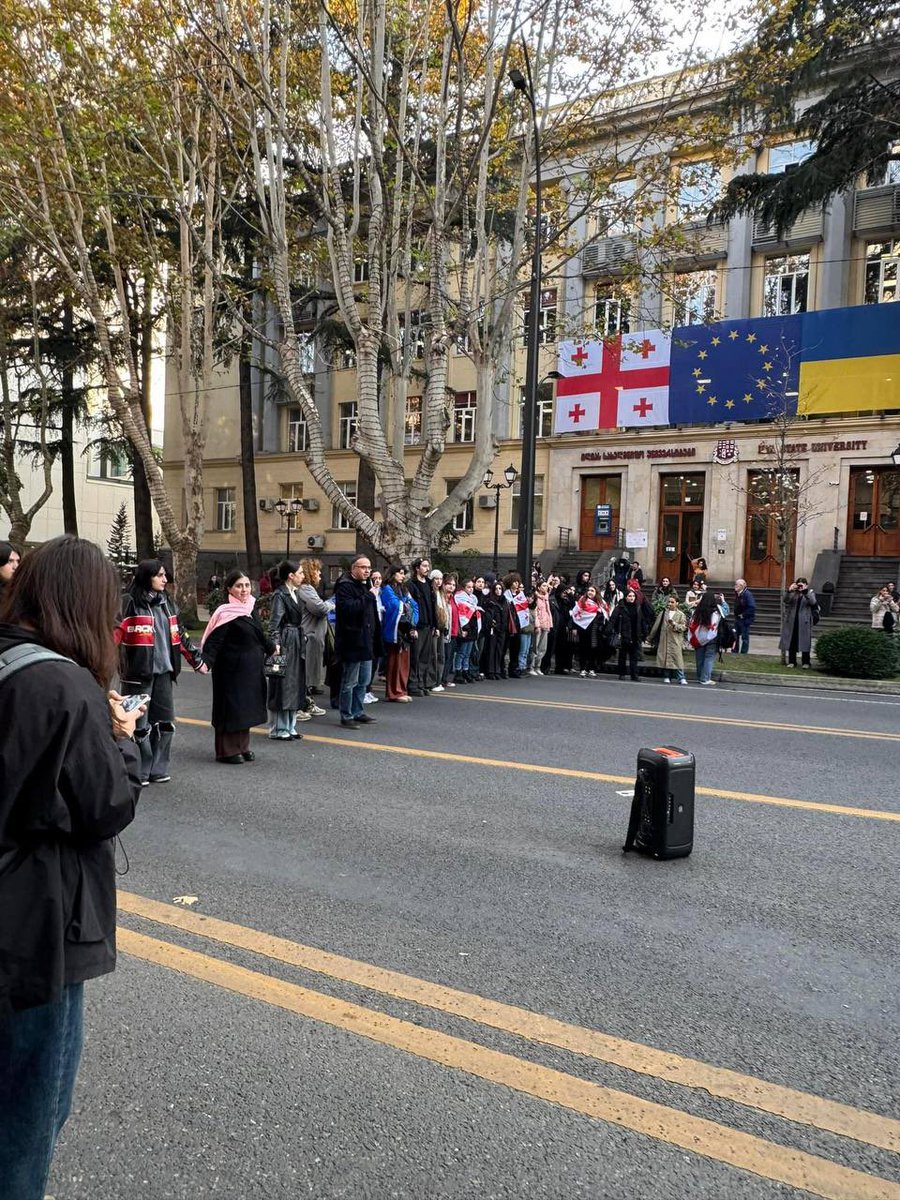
<point>858,653</point>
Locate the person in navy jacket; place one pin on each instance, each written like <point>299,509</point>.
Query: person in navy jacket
<point>744,614</point>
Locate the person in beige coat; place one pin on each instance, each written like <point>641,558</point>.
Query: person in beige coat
<point>670,625</point>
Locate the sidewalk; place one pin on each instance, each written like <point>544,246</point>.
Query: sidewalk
<point>729,671</point>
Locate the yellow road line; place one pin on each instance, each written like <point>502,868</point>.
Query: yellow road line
<point>785,1102</point>
<point>737,722</point>
<point>843,810</point>
<point>746,1152</point>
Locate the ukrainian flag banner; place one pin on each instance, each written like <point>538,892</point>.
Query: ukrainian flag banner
<point>850,359</point>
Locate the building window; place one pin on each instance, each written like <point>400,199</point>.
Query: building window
<point>289,492</point>
<point>110,464</point>
<point>538,503</point>
<point>338,520</point>
<point>464,416</point>
<point>611,311</point>
<point>788,156</point>
<point>616,214</point>
<point>698,185</point>
<point>544,415</point>
<point>694,298</point>
<point>785,285</point>
<point>345,358</point>
<point>298,432</point>
<point>348,422</point>
<point>892,172</point>
<point>546,318</point>
<point>361,270</point>
<point>418,320</point>
<point>463,522</point>
<point>306,350</point>
<point>412,426</point>
<point>226,509</point>
<point>882,270</point>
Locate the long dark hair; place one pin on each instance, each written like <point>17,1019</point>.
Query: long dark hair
<point>6,551</point>
<point>67,591</point>
<point>705,609</point>
<point>390,578</point>
<point>285,568</point>
<point>143,575</point>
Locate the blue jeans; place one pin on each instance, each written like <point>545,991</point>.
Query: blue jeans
<point>40,1049</point>
<point>742,633</point>
<point>283,722</point>
<point>462,657</point>
<point>706,658</point>
<point>355,680</point>
<point>524,648</point>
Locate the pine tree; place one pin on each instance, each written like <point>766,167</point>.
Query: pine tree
<point>118,547</point>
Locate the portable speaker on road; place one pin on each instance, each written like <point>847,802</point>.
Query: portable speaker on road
<point>662,811</point>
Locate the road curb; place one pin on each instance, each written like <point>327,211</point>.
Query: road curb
<point>876,687</point>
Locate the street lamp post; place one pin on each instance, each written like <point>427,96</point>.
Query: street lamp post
<point>288,509</point>
<point>525,543</point>
<point>510,475</point>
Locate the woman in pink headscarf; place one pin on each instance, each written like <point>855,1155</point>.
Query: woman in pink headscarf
<point>235,646</point>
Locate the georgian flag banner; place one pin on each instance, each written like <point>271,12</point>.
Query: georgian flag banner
<point>583,612</point>
<point>520,604</point>
<point>622,381</point>
<point>467,606</point>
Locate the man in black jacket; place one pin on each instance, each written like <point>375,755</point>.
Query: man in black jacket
<point>357,640</point>
<point>424,648</point>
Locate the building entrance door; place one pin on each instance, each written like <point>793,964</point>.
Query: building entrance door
<point>762,553</point>
<point>873,526</point>
<point>680,525</point>
<point>599,489</point>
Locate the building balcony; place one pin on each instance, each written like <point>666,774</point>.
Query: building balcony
<point>806,231</point>
<point>876,211</point>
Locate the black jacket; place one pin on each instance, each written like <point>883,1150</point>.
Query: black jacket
<point>236,653</point>
<point>136,634</point>
<point>626,622</point>
<point>357,633</point>
<point>423,594</point>
<point>66,788</point>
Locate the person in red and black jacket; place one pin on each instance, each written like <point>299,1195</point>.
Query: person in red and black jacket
<point>151,641</point>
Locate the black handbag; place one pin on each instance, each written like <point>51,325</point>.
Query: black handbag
<point>274,666</point>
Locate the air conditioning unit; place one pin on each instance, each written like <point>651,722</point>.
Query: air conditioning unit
<point>488,500</point>
<point>311,504</point>
<point>267,506</point>
<point>316,542</point>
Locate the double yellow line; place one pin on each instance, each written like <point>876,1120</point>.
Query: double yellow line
<point>722,1143</point>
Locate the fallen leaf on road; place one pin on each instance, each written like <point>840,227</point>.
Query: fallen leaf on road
<point>187,901</point>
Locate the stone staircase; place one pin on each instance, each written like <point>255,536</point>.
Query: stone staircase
<point>858,581</point>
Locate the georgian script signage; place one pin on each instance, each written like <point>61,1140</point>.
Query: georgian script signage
<point>815,447</point>
<point>636,455</point>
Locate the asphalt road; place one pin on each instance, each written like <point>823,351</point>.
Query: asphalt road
<point>473,841</point>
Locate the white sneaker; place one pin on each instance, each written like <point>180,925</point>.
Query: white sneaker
<point>583,675</point>
<point>593,674</point>
<point>315,711</point>
<point>535,673</point>
<point>304,716</point>
<point>538,671</point>
<point>667,681</point>
<point>439,688</point>
<point>451,684</point>
<point>707,683</point>
<point>683,682</point>
<point>368,698</point>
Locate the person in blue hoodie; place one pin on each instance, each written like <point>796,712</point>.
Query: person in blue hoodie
<point>744,614</point>
<point>398,631</point>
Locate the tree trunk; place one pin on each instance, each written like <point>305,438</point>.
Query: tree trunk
<point>143,504</point>
<point>67,440</point>
<point>248,471</point>
<point>184,565</point>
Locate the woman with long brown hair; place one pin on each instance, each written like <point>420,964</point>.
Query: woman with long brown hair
<point>315,612</point>
<point>69,782</point>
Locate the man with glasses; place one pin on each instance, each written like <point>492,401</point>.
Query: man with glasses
<point>357,640</point>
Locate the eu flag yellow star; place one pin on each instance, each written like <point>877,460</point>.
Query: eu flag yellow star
<point>729,404</point>
<point>767,366</point>
<point>711,400</point>
<point>698,371</point>
<point>763,348</point>
<point>716,341</point>
<point>751,337</point>
<point>701,388</point>
<point>734,335</point>
<point>701,354</point>
<point>748,397</point>
<point>761,384</point>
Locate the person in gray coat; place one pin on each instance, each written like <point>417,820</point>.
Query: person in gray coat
<point>287,692</point>
<point>315,612</point>
<point>800,605</point>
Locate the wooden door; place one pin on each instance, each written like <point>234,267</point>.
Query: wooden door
<point>762,554</point>
<point>681,499</point>
<point>599,489</point>
<point>873,526</point>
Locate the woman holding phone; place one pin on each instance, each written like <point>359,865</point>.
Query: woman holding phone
<point>69,782</point>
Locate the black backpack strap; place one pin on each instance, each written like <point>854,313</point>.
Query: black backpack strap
<point>24,656</point>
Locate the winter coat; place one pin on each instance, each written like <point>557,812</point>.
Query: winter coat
<point>67,787</point>
<point>543,616</point>
<point>626,622</point>
<point>357,631</point>
<point>237,652</point>
<point>670,648</point>
<point>423,594</point>
<point>287,692</point>
<point>798,607</point>
<point>315,625</point>
<point>137,631</point>
<point>880,609</point>
<point>400,616</point>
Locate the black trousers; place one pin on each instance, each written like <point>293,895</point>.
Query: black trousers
<point>631,653</point>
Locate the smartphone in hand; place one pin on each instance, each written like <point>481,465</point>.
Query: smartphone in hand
<point>130,703</point>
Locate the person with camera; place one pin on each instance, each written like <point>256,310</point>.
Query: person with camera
<point>153,641</point>
<point>800,614</point>
<point>70,778</point>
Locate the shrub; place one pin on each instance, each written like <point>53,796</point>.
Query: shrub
<point>858,653</point>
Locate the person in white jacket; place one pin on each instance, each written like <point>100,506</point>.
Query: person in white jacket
<point>884,609</point>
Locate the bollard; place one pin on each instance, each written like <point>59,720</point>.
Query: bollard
<point>662,811</point>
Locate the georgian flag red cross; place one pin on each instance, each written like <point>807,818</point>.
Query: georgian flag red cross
<point>622,381</point>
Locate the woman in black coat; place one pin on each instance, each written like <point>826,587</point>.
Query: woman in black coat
<point>496,631</point>
<point>287,692</point>
<point>566,634</point>
<point>626,622</point>
<point>235,647</point>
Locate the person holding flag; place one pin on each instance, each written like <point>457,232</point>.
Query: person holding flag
<point>588,616</point>
<point>468,610</point>
<point>521,626</point>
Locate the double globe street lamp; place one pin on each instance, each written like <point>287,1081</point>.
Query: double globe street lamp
<point>283,508</point>
<point>510,475</point>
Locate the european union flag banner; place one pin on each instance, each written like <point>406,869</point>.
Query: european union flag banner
<point>735,370</point>
<point>850,360</point>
